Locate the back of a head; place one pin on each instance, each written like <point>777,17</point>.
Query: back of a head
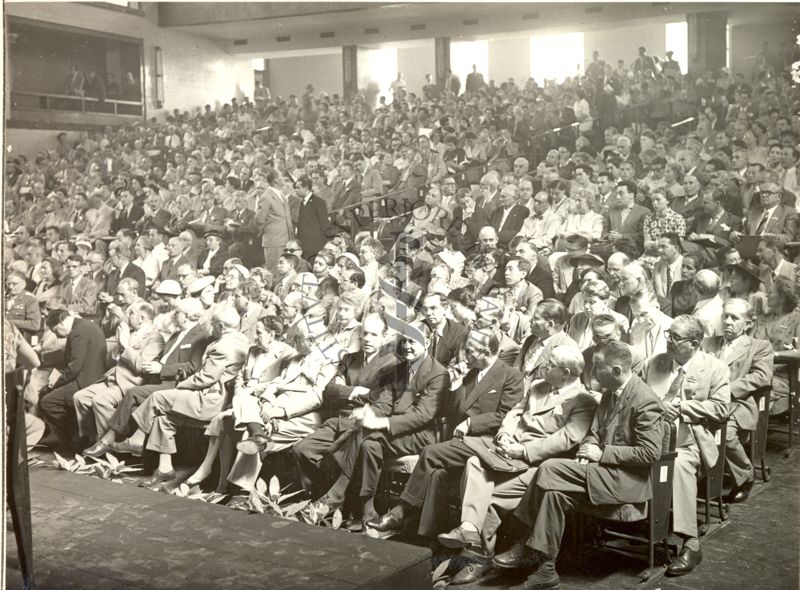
<point>554,311</point>
<point>613,354</point>
<point>707,283</point>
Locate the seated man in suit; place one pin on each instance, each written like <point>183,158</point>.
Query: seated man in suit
<point>547,331</point>
<point>508,218</point>
<point>564,270</point>
<point>447,335</point>
<point>772,255</point>
<point>200,396</point>
<point>552,419</point>
<point>523,296</point>
<point>649,325</point>
<point>667,269</point>
<point>767,216</point>
<point>183,353</point>
<point>610,467</point>
<point>138,343</point>
<point>537,275</point>
<point>353,387</point>
<point>694,387</point>
<point>78,291</point>
<point>489,390</point>
<point>400,422</point>
<point>714,223</point>
<point>751,366</point>
<point>84,363</point>
<point>627,219</point>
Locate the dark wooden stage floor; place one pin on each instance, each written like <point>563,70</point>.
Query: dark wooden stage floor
<point>94,534</point>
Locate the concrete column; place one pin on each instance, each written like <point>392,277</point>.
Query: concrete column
<point>707,41</point>
<point>442,49</point>
<point>350,70</point>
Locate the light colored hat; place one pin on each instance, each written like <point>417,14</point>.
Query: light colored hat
<point>242,271</point>
<point>199,284</point>
<point>168,287</point>
<point>191,307</point>
<point>351,257</point>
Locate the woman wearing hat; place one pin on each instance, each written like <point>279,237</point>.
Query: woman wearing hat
<point>745,284</point>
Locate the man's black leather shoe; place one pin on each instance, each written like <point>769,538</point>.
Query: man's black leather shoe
<point>384,526</point>
<point>520,555</point>
<point>471,573</point>
<point>685,562</point>
<point>740,493</point>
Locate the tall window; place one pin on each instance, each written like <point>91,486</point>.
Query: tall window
<point>381,67</point>
<point>555,57</point>
<point>677,41</point>
<point>465,54</point>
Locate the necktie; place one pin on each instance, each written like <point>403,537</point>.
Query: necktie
<point>669,278</point>
<point>675,387</point>
<point>434,343</point>
<point>761,224</point>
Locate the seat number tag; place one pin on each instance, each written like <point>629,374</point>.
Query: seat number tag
<point>718,436</point>
<point>662,476</point>
<point>762,403</point>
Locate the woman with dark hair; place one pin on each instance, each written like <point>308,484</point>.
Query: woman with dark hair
<point>51,279</point>
<point>781,326</point>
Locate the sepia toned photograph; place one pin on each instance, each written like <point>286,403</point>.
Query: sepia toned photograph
<point>401,296</point>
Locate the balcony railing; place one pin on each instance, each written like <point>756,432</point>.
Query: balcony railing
<point>64,102</point>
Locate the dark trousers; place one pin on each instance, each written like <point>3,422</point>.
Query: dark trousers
<point>428,487</point>
<point>310,453</point>
<point>559,486</point>
<point>58,412</point>
<point>367,451</point>
<point>122,422</point>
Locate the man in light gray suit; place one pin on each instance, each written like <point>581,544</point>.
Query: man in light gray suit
<point>139,342</point>
<point>274,218</point>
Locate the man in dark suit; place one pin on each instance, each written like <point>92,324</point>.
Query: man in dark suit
<point>610,467</point>
<point>183,355</point>
<point>211,214</point>
<point>751,365</point>
<point>714,222</point>
<point>241,223</point>
<point>347,190</point>
<point>447,335</point>
<point>538,276</point>
<point>400,422</point>
<point>507,219</point>
<point>85,363</point>
<point>127,212</point>
<point>169,269</point>
<point>421,270</point>
<point>123,268</point>
<point>480,270</point>
<point>353,387</point>
<point>489,390</point>
<point>468,219</point>
<point>312,219</point>
<point>627,220</point>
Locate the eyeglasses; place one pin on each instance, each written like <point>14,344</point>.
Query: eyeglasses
<point>669,336</point>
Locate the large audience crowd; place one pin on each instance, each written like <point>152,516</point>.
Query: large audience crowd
<point>525,284</point>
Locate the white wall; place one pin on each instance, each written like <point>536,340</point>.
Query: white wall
<point>747,40</point>
<point>197,71</point>
<point>509,58</point>
<point>291,75</point>
<point>623,43</point>
<point>415,62</point>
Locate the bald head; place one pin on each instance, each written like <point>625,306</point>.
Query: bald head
<point>707,283</point>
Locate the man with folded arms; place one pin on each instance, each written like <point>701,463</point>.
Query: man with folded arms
<point>610,467</point>
<point>488,391</point>
<point>550,420</point>
<point>751,364</point>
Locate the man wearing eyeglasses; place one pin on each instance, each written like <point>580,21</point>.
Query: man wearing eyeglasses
<point>694,387</point>
<point>78,292</point>
<point>770,217</point>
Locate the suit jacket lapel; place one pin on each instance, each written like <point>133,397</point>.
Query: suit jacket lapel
<point>481,387</point>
